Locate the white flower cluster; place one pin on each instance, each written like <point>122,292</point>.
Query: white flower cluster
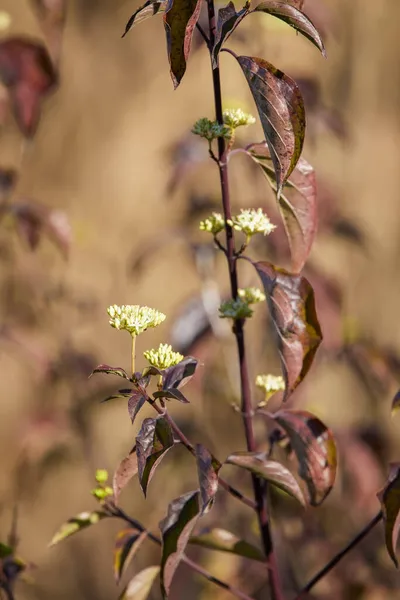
<point>236,117</point>
<point>270,384</point>
<point>163,357</point>
<point>251,221</point>
<point>213,224</point>
<point>251,295</point>
<point>134,318</point>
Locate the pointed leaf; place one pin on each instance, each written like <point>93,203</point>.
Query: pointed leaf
<point>292,308</point>
<point>281,109</point>
<point>135,403</point>
<point>180,20</point>
<point>225,541</point>
<point>149,9</point>
<point>297,204</point>
<point>293,17</point>
<point>396,403</point>
<point>126,393</point>
<point>228,20</point>
<point>207,468</point>
<point>315,449</point>
<point>139,586</point>
<point>81,521</point>
<point>110,371</point>
<point>176,528</point>
<point>180,374</point>
<point>389,497</point>
<point>153,441</point>
<point>127,544</point>
<point>172,395</point>
<point>272,471</point>
<point>124,473</point>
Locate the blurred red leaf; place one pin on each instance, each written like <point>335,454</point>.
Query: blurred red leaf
<point>127,469</point>
<point>52,15</point>
<point>389,497</point>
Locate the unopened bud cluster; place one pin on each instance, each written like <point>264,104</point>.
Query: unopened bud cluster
<point>133,318</point>
<point>163,357</point>
<point>235,309</point>
<point>102,491</point>
<point>213,224</point>
<point>210,130</point>
<point>270,384</point>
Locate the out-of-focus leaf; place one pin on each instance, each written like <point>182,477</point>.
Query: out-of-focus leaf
<point>225,541</point>
<point>149,9</point>
<point>207,468</point>
<point>127,469</point>
<point>27,71</point>
<point>292,308</point>
<point>176,528</point>
<point>396,403</point>
<point>281,109</point>
<point>389,497</point>
<point>293,17</point>
<point>135,403</point>
<point>52,15</point>
<point>111,371</point>
<point>120,394</point>
<point>8,178</point>
<point>153,441</point>
<point>5,550</point>
<point>228,20</point>
<point>271,470</point>
<point>81,521</point>
<point>315,450</point>
<point>297,204</point>
<point>191,325</point>
<point>139,586</point>
<point>127,544</point>
<point>180,19</point>
<point>172,394</point>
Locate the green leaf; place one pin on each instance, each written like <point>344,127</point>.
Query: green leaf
<point>225,541</point>
<point>127,544</point>
<point>153,441</point>
<point>127,469</point>
<point>281,110</point>
<point>389,497</point>
<point>271,470</point>
<point>292,308</point>
<point>81,521</point>
<point>139,586</point>
<point>176,528</point>
<point>293,17</point>
<point>149,9</point>
<point>110,371</point>
<point>228,20</point>
<point>5,550</point>
<point>207,468</point>
<point>315,450</point>
<point>180,20</point>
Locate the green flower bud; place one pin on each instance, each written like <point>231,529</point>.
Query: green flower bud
<point>213,224</point>
<point>101,475</point>
<point>235,309</point>
<point>163,357</point>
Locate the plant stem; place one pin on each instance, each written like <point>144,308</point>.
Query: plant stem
<point>133,353</point>
<point>8,591</point>
<point>260,489</point>
<point>332,563</point>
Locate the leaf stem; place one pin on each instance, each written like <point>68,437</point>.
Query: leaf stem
<point>260,489</point>
<point>332,563</point>
<point>133,353</point>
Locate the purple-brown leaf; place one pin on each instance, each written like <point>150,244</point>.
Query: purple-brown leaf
<point>176,529</point>
<point>389,497</point>
<point>180,19</point>
<point>149,9</point>
<point>292,308</point>
<point>127,469</point>
<point>281,109</point>
<point>154,439</point>
<point>228,20</point>
<point>225,541</point>
<point>315,449</point>
<point>207,468</point>
<point>135,403</point>
<point>127,544</point>
<point>108,370</point>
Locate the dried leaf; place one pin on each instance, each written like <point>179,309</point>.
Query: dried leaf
<point>271,470</point>
<point>389,497</point>
<point>207,468</point>
<point>153,441</point>
<point>228,20</point>
<point>127,469</point>
<point>315,449</point>
<point>81,521</point>
<point>281,109</point>
<point>292,308</point>
<point>149,9</point>
<point>127,544</point>
<point>139,586</point>
<point>180,20</point>
<point>225,541</point>
<point>111,371</point>
<point>176,528</point>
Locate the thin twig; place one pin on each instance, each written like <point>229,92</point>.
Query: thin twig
<point>332,563</point>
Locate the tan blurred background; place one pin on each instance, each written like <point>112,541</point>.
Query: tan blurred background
<point>102,154</point>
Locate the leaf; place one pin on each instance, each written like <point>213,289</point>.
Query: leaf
<point>297,204</point>
<point>126,393</point>
<point>225,541</point>
<point>292,308</point>
<point>52,15</point>
<point>180,374</point>
<point>81,521</point>
<point>315,449</point>
<point>172,395</point>
<point>127,544</point>
<point>127,469</point>
<point>396,403</point>
<point>139,586</point>
<point>389,497</point>
<point>228,20</point>
<point>154,439</point>
<point>26,70</point>
<point>8,179</point>
<point>180,20</point>
<point>135,403</point>
<point>110,371</point>
<point>272,471</point>
<point>281,109</point>
<point>207,468</point>
<point>176,528</point>
<point>5,550</point>
<point>148,9</point>
<point>293,17</point>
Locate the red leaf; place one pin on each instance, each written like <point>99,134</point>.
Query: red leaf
<point>52,15</point>
<point>292,308</point>
<point>153,441</point>
<point>389,497</point>
<point>207,468</point>
<point>27,71</point>
<point>127,544</point>
<point>228,20</point>
<point>127,469</point>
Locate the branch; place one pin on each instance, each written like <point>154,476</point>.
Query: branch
<point>203,34</point>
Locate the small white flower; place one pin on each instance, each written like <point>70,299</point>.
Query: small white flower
<point>251,221</point>
<point>163,357</point>
<point>251,295</point>
<point>270,384</point>
<point>237,118</point>
<point>213,224</point>
<point>134,318</point>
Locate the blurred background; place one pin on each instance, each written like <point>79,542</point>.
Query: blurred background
<point>106,201</point>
